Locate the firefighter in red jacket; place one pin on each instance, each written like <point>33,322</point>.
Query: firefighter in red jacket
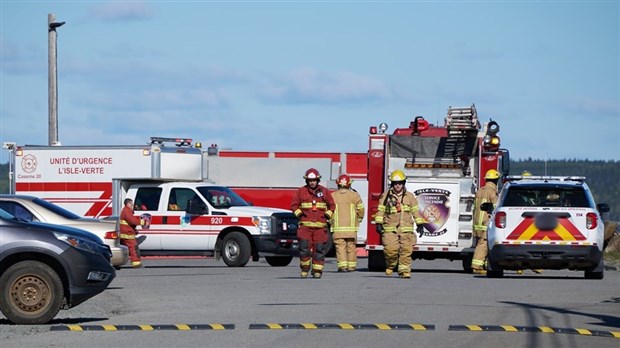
<point>314,206</point>
<point>128,222</point>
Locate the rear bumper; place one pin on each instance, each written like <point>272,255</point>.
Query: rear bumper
<point>545,256</point>
<point>268,245</point>
<point>120,255</point>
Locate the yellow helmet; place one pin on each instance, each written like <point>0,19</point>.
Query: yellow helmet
<point>492,174</point>
<point>397,176</point>
<point>526,173</point>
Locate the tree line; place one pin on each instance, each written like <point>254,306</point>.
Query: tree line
<point>603,177</point>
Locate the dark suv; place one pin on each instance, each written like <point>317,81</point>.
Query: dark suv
<point>45,268</point>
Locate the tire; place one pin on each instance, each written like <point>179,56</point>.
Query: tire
<point>467,264</point>
<point>278,261</point>
<point>31,292</point>
<point>330,247</point>
<point>495,271</point>
<point>236,249</point>
<point>376,261</point>
<point>598,272</point>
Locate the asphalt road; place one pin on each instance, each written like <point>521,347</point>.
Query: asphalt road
<point>203,303</point>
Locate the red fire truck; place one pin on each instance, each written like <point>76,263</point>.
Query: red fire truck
<point>445,165</point>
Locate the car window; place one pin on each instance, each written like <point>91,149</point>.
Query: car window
<point>542,196</point>
<point>222,197</point>
<point>147,198</point>
<point>179,197</point>
<point>17,210</point>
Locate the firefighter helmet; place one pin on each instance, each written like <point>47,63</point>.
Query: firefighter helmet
<point>492,174</point>
<point>526,173</point>
<point>397,176</point>
<point>312,174</point>
<point>344,181</point>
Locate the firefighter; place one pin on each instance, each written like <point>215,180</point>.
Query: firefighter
<point>487,193</point>
<point>128,222</point>
<point>347,217</point>
<point>314,206</point>
<point>398,210</point>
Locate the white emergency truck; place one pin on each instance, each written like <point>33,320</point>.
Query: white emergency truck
<point>188,216</point>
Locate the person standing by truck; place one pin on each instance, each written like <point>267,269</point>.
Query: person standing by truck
<point>398,210</point>
<point>486,194</point>
<point>347,217</point>
<point>313,206</point>
<point>128,222</point>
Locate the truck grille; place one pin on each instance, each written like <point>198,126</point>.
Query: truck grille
<point>285,225</point>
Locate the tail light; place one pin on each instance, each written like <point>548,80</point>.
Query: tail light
<point>591,221</point>
<point>500,219</point>
<point>111,235</point>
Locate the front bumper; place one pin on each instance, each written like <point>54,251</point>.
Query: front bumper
<point>574,257</point>
<point>268,245</point>
<point>89,274</point>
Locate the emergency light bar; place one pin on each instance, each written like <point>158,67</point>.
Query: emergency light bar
<point>559,178</point>
<point>178,141</point>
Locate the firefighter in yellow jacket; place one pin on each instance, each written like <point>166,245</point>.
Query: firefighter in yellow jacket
<point>345,222</point>
<point>397,212</point>
<point>486,194</point>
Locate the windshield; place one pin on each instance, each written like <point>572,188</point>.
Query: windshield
<point>222,197</point>
<point>56,209</point>
<point>546,196</point>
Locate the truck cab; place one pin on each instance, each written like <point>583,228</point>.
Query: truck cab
<point>200,218</point>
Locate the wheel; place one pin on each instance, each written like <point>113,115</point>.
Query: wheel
<point>467,263</point>
<point>30,293</point>
<point>278,261</point>
<point>494,271</point>
<point>236,249</point>
<point>376,261</point>
<point>598,272</point>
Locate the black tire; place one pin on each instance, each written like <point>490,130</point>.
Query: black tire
<point>598,272</point>
<point>330,247</point>
<point>495,271</point>
<point>467,263</point>
<point>236,249</point>
<point>278,261</point>
<point>31,292</point>
<point>376,261</point>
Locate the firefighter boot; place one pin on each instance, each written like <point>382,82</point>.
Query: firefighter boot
<point>316,275</point>
<point>479,271</point>
<point>389,271</point>
<point>520,271</point>
<point>304,274</point>
<point>405,275</point>
<point>342,269</point>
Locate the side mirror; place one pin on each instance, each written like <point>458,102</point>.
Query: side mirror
<point>196,207</point>
<point>488,207</point>
<point>602,207</point>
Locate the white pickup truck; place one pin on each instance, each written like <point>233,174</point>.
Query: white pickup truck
<point>198,218</point>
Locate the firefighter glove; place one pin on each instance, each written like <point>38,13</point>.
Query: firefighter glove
<point>379,228</point>
<point>420,230</point>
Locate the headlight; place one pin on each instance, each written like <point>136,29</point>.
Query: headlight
<point>263,223</point>
<point>77,242</point>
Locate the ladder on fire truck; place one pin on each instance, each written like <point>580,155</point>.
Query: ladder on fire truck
<point>460,122</point>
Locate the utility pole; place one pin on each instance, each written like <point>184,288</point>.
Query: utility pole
<point>52,78</point>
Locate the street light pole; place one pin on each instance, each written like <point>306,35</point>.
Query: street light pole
<point>52,78</point>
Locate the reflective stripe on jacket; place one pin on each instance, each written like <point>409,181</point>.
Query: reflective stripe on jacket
<point>313,207</point>
<point>348,214</point>
<point>398,212</point>
<point>487,193</point>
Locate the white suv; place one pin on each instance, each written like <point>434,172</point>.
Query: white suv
<point>545,222</point>
<point>31,208</point>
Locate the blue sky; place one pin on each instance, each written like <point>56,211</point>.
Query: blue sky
<point>314,75</point>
